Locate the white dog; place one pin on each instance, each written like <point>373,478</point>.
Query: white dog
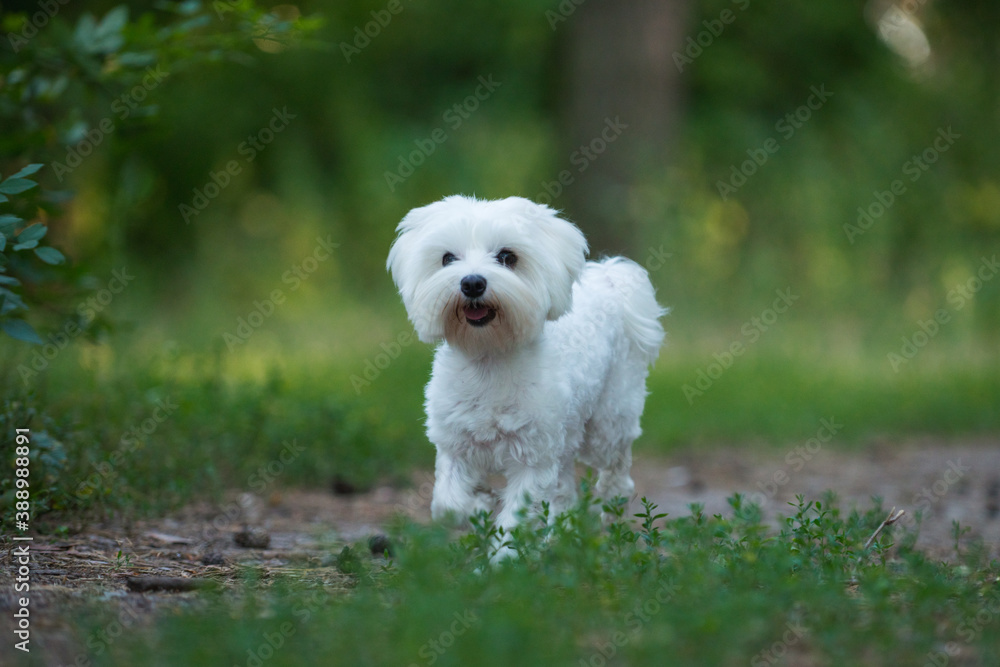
<point>544,355</point>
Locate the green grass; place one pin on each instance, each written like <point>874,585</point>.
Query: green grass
<point>694,590</point>
<point>780,397</point>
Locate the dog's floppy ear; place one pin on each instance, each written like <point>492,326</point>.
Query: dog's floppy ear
<point>403,261</point>
<point>402,254</point>
<point>566,250</point>
<point>405,237</point>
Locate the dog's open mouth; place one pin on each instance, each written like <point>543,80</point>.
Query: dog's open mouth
<point>479,316</point>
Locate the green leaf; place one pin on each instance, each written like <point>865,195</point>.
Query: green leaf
<point>20,330</point>
<point>13,186</point>
<point>3,199</point>
<point>50,255</point>
<point>189,7</point>
<point>3,241</point>
<point>33,233</point>
<point>11,301</point>
<point>27,245</point>
<point>107,37</point>
<point>136,59</point>
<point>8,223</point>
<point>29,170</point>
<point>8,280</point>
<point>84,33</point>
<point>113,21</point>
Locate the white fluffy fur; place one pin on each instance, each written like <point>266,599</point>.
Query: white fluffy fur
<point>558,375</point>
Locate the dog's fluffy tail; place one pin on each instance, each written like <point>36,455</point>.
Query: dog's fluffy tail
<point>642,312</point>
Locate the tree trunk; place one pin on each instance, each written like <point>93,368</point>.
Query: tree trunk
<point>624,91</point>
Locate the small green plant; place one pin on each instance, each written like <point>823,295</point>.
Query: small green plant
<point>123,561</point>
<point>719,590</point>
<point>957,531</point>
<point>649,532</point>
<point>485,539</point>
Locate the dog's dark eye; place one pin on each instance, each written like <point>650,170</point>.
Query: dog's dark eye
<point>507,258</point>
<point>448,259</point>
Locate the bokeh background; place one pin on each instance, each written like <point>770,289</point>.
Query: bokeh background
<point>732,147</point>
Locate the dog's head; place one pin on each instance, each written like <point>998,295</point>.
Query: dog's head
<point>485,275</point>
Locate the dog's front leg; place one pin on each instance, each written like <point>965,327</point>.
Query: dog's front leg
<point>536,482</point>
<point>455,489</point>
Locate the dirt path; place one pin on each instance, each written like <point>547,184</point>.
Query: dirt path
<point>947,482</point>
<point>305,530</point>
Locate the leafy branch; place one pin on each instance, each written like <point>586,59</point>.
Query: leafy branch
<point>18,235</point>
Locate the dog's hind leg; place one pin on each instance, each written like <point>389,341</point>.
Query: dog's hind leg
<point>608,446</point>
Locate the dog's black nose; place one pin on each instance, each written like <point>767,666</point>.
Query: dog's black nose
<point>473,286</point>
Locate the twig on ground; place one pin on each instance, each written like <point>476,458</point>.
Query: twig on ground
<point>893,517</point>
<point>145,584</point>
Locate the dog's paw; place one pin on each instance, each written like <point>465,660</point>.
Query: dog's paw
<point>483,500</point>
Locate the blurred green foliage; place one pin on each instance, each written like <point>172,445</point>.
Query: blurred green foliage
<point>68,87</point>
<point>786,225</point>
<point>357,111</point>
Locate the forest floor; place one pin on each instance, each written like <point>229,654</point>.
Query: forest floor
<point>304,530</point>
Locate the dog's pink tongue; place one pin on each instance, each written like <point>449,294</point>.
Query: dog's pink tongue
<point>476,313</point>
